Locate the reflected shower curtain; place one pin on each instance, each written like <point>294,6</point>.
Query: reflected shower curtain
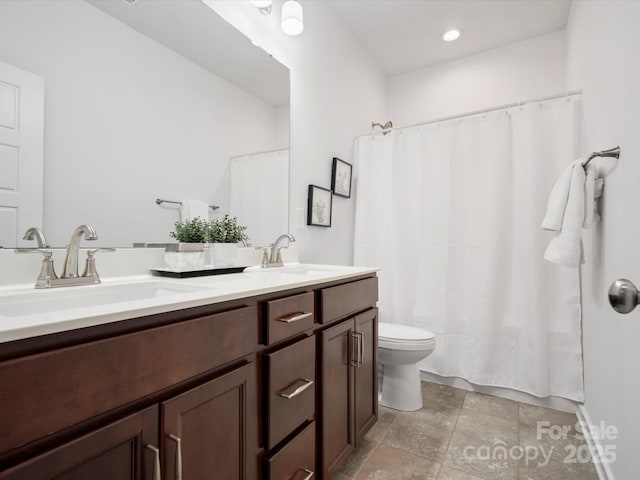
<point>451,212</point>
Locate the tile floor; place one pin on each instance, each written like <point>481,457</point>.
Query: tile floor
<point>461,435</point>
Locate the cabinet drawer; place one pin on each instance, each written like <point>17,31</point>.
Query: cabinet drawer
<point>76,383</point>
<point>287,316</point>
<point>297,459</point>
<point>291,384</point>
<point>343,300</point>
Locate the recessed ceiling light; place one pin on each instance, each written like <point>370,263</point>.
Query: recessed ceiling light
<point>451,35</point>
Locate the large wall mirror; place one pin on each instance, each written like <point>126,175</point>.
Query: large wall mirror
<point>146,100</point>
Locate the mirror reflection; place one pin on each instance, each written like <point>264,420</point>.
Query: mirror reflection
<point>142,100</point>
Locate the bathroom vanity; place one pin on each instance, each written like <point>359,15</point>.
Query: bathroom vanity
<point>261,375</point>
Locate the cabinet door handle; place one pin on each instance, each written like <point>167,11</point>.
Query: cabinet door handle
<point>307,474</point>
<point>288,393</point>
<point>295,317</point>
<point>360,348</point>
<point>355,349</point>
<point>178,466</point>
<point>156,462</point>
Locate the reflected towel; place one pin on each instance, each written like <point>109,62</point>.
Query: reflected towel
<point>190,209</point>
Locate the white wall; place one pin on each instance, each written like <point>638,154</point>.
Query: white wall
<point>603,60</point>
<point>336,91</point>
<point>127,120</point>
<point>520,71</point>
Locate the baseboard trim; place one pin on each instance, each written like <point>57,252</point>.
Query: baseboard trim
<point>595,447</point>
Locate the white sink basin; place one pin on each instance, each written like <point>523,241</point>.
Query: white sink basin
<point>49,301</point>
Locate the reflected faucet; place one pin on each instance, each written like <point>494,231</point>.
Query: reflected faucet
<point>34,233</point>
<point>71,260</point>
<point>275,258</point>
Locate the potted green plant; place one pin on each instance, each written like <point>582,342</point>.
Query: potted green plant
<point>189,251</point>
<point>224,235</point>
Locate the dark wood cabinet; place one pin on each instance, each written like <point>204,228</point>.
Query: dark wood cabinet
<point>349,387</point>
<point>337,434</point>
<point>274,387</point>
<point>205,430</point>
<point>366,373</point>
<point>124,450</point>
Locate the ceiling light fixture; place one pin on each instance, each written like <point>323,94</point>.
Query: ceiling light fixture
<point>451,35</point>
<point>292,23</point>
<point>263,5</point>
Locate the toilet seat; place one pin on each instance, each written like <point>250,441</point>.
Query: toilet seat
<point>404,337</point>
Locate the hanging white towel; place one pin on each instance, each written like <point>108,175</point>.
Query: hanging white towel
<point>190,209</point>
<point>572,206</point>
<point>566,217</point>
<point>592,191</point>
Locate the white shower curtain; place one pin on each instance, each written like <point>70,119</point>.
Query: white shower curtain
<point>451,212</point>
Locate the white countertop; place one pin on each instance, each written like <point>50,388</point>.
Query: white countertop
<point>27,312</point>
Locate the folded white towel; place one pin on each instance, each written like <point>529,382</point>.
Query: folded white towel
<point>566,215</point>
<point>190,209</point>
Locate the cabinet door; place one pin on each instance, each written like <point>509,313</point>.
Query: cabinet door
<point>366,373</point>
<point>337,396</point>
<point>119,451</point>
<point>207,430</point>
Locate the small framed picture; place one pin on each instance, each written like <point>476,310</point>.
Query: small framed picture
<point>319,206</point>
<point>341,178</point>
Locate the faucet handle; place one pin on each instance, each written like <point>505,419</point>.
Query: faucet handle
<point>91,253</point>
<point>265,256</point>
<point>47,270</point>
<point>90,264</point>
<point>279,255</point>
<point>45,252</point>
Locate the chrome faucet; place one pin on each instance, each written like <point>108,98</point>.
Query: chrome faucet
<point>71,260</point>
<point>275,256</point>
<point>34,233</point>
<point>70,277</point>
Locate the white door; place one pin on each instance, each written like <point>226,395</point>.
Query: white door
<point>21,153</point>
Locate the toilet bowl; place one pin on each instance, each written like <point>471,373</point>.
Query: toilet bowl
<point>400,348</point>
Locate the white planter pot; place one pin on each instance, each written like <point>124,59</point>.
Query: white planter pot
<point>183,256</point>
<point>223,254</point>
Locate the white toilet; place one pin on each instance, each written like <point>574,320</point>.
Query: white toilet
<point>400,348</point>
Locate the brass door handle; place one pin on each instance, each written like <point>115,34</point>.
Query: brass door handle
<point>156,462</point>
<point>355,349</point>
<point>295,317</point>
<point>289,394</point>
<point>307,474</point>
<point>178,462</point>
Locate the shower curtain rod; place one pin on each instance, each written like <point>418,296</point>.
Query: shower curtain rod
<point>477,112</point>
<point>264,152</point>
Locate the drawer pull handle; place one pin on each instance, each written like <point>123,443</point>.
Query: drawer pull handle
<point>295,317</point>
<point>355,349</point>
<point>178,467</point>
<point>306,383</point>
<point>156,462</point>
<point>307,474</point>
<point>360,348</point>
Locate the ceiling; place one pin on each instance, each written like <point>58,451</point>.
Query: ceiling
<point>196,32</point>
<point>403,35</point>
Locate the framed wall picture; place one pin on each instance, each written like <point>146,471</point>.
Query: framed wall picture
<point>341,178</point>
<point>319,206</point>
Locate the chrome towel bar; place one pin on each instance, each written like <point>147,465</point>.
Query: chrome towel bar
<point>612,153</point>
<point>160,201</point>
